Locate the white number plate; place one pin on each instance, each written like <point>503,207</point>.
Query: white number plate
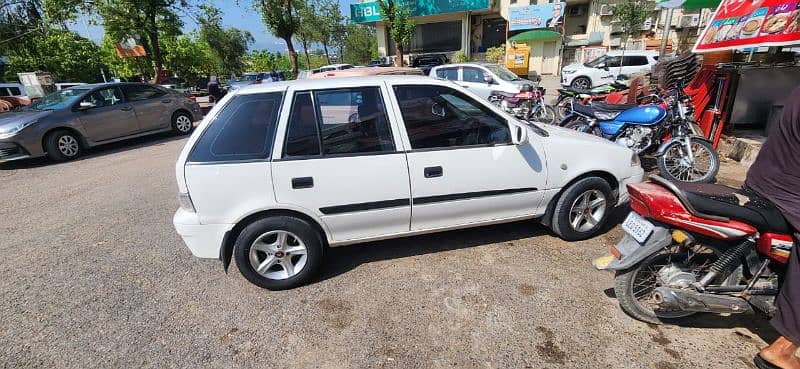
<point>637,227</point>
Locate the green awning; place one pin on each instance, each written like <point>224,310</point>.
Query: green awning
<point>536,35</point>
<point>701,4</point>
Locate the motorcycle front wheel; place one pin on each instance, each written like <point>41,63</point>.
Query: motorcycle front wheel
<point>580,125</point>
<point>700,165</point>
<point>634,287</point>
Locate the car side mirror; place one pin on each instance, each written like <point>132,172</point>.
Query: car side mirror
<point>85,105</point>
<point>519,134</point>
<point>488,78</point>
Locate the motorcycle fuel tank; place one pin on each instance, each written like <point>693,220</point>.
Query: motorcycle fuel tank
<point>646,115</point>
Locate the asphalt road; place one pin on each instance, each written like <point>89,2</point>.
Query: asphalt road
<point>94,275</point>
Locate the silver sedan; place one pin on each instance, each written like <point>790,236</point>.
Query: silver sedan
<point>61,125</point>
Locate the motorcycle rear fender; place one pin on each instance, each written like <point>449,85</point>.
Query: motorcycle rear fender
<point>632,252</point>
<point>663,148</point>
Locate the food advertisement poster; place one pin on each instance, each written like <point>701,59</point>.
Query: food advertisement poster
<point>746,23</point>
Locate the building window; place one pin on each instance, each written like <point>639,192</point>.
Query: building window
<point>431,37</point>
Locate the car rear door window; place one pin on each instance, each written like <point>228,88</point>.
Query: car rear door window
<point>447,73</point>
<point>348,121</point>
<point>469,74</point>
<point>302,137</point>
<point>243,130</point>
<point>634,61</point>
<point>438,117</point>
<point>141,92</point>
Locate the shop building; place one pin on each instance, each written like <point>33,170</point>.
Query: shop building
<point>585,30</point>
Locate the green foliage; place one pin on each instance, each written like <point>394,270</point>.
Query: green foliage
<point>460,57</point>
<point>227,45</point>
<point>496,54</point>
<point>190,58</point>
<point>360,44</point>
<point>66,55</point>
<point>399,23</point>
<point>630,15</point>
<point>263,60</point>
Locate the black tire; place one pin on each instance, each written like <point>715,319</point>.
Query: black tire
<point>568,201</point>
<point>667,166</point>
<point>546,115</point>
<point>563,107</point>
<point>63,145</point>
<point>305,235</point>
<point>179,123</point>
<point>624,282</point>
<point>581,125</point>
<point>581,83</point>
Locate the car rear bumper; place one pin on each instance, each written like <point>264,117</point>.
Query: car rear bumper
<point>203,240</point>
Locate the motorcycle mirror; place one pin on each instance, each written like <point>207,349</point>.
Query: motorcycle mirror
<point>526,88</point>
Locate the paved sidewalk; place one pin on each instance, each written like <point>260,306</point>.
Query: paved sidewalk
<point>551,83</point>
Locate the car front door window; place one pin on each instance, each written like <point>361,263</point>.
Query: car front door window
<point>104,97</point>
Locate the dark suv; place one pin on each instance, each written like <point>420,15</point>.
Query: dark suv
<point>426,62</point>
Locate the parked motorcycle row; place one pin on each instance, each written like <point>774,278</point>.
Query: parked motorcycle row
<point>660,125</point>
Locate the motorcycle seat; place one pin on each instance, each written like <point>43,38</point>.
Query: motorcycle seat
<point>611,110</point>
<point>735,203</point>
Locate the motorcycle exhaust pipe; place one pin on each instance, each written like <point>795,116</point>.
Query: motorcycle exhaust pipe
<point>672,299</point>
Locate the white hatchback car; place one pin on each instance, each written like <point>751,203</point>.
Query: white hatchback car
<point>481,78</point>
<point>277,172</point>
<point>605,69</point>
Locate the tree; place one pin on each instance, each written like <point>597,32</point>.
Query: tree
<point>307,25</point>
<point>190,58</point>
<point>629,16</point>
<point>399,24</point>
<point>330,20</point>
<point>227,45</point>
<point>360,45</point>
<point>65,55</point>
<point>146,20</point>
<point>280,19</point>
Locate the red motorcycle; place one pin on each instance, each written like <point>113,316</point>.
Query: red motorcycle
<point>698,248</point>
<point>528,104</point>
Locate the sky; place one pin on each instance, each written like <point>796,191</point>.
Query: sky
<point>241,16</point>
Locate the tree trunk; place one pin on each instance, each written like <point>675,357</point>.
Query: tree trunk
<point>292,56</point>
<point>152,30</point>
<point>327,56</point>
<point>305,51</point>
<point>398,60</point>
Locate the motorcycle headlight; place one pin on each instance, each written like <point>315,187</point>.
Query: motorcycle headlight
<point>635,161</point>
<point>12,129</point>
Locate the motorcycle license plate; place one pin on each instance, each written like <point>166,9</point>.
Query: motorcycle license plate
<point>637,227</point>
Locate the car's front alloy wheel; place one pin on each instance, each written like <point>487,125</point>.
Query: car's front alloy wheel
<point>582,209</point>
<point>62,145</point>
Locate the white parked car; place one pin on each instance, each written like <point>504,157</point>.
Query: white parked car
<point>278,172</point>
<point>481,78</point>
<point>13,90</point>
<point>606,68</point>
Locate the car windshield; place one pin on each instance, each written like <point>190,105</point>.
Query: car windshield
<point>60,99</point>
<point>249,77</point>
<point>503,73</point>
<point>596,62</point>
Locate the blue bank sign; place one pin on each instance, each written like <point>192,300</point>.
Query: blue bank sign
<point>535,16</point>
<point>371,12</point>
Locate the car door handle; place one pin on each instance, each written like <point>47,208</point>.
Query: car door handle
<point>431,172</point>
<point>126,108</point>
<point>166,101</point>
<point>302,182</point>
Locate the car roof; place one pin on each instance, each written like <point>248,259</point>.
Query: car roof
<point>632,52</point>
<point>326,83</point>
<point>470,64</point>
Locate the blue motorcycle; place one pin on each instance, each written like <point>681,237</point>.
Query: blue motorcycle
<point>664,130</point>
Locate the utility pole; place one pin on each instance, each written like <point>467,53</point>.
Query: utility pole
<point>665,34</point>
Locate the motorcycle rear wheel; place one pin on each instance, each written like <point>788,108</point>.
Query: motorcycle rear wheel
<point>546,115</point>
<point>633,287</point>
<point>563,107</point>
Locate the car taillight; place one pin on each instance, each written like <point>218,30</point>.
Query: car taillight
<point>186,202</point>
<point>193,98</point>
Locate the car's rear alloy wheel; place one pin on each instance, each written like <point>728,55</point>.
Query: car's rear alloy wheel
<point>182,123</point>
<point>278,255</point>
<point>279,252</point>
<point>582,83</point>
<point>62,145</point>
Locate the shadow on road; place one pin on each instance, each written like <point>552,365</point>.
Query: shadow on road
<point>98,151</point>
<point>340,260</point>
